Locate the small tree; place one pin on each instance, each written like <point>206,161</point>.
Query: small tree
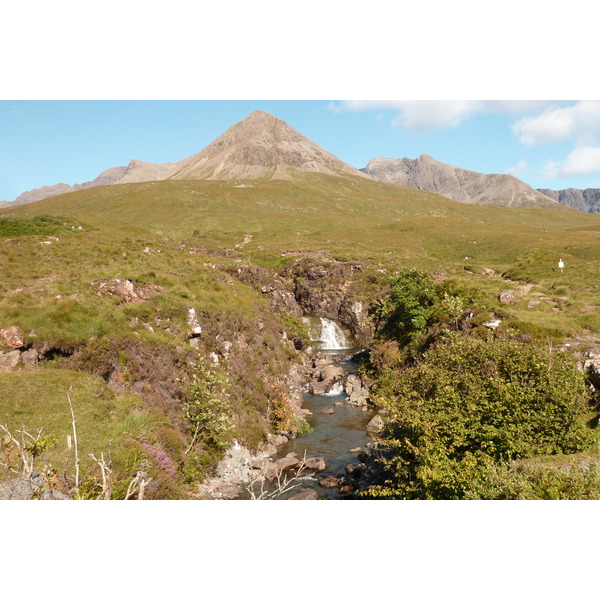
<point>207,406</point>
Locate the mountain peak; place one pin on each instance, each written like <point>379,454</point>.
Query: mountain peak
<point>261,146</point>
<point>260,114</point>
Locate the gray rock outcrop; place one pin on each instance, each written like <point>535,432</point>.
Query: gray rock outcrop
<point>461,185</point>
<point>29,488</point>
<point>587,200</point>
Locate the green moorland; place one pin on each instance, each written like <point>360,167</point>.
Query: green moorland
<point>130,364</point>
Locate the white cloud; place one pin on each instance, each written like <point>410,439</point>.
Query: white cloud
<point>519,169</point>
<point>513,108</point>
<point>428,115</point>
<point>418,115</point>
<point>584,160</point>
<point>579,121</point>
<point>423,116</point>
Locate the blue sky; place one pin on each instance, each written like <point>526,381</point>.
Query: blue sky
<point>546,144</point>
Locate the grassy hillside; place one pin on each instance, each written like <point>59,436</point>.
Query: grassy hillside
<point>181,244</point>
<point>384,225</point>
<point>353,217</point>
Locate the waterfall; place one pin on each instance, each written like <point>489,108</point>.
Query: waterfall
<point>332,336</point>
<point>336,390</point>
<point>327,332</point>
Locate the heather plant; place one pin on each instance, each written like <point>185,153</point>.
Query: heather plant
<point>162,460</point>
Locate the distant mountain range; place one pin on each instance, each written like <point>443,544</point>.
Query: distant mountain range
<point>469,187</point>
<point>587,200</point>
<point>262,146</point>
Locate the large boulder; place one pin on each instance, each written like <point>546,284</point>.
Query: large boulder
<point>287,462</point>
<point>331,373</point>
<point>359,398</point>
<point>352,384</point>
<point>9,360</point>
<point>375,425</point>
<point>330,482</point>
<point>27,488</point>
<point>227,491</point>
<point>315,463</point>
<point>358,393</point>
<point>30,357</point>
<point>326,375</point>
<point>318,388</point>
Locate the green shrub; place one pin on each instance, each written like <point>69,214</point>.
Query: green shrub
<point>40,225</point>
<point>468,403</point>
<point>535,482</point>
<point>406,311</point>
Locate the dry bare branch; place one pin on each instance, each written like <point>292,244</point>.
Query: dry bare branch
<point>74,438</point>
<point>283,483</point>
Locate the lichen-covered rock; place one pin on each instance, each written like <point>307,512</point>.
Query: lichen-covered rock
<point>28,488</point>
<point>12,337</point>
<point>507,296</point>
<point>30,357</point>
<point>194,328</point>
<point>126,290</point>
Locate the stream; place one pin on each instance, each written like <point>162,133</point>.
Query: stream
<point>333,435</point>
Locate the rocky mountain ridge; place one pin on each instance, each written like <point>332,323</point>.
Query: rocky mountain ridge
<point>461,185</point>
<point>587,200</point>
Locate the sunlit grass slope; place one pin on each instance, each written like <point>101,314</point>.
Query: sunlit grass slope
<point>352,217</point>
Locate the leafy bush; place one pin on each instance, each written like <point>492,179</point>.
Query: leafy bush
<point>406,311</point>
<point>470,403</point>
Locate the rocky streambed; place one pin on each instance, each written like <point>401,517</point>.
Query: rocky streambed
<point>329,462</point>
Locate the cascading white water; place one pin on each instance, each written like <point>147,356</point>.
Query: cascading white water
<point>327,332</point>
<point>332,337</point>
<point>336,390</point>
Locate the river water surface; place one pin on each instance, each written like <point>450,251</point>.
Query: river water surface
<point>333,435</point>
